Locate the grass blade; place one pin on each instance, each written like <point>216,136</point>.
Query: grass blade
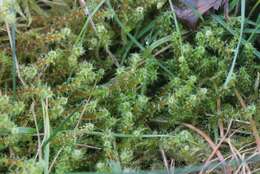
<point>225,25</point>
<point>85,26</point>
<point>243,4</point>
<point>46,148</point>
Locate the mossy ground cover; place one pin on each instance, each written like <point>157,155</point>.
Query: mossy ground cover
<point>124,86</point>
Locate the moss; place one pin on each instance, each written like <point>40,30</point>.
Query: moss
<point>110,99</point>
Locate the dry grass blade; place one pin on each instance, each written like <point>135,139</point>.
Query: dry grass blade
<point>220,122</point>
<point>165,161</point>
<point>211,144</point>
<point>231,71</point>
<point>39,150</point>
<point>217,147</point>
<point>244,165</point>
<point>55,158</point>
<point>107,85</point>
<point>87,13</point>
<point>89,146</point>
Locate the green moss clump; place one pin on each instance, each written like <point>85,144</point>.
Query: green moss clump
<point>120,88</point>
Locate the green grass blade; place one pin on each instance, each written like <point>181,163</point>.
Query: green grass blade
<point>255,31</point>
<point>225,25</point>
<point>255,159</point>
<point>46,148</point>
<point>58,129</point>
<point>131,37</point>
<point>141,34</point>
<point>243,4</point>
<point>177,26</point>
<point>85,26</point>
<point>160,42</point>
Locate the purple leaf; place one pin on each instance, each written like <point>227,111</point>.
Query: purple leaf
<point>186,13</point>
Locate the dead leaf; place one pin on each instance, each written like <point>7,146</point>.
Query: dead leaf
<point>190,10</point>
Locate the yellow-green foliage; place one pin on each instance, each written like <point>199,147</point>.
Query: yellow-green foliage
<point>107,98</point>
